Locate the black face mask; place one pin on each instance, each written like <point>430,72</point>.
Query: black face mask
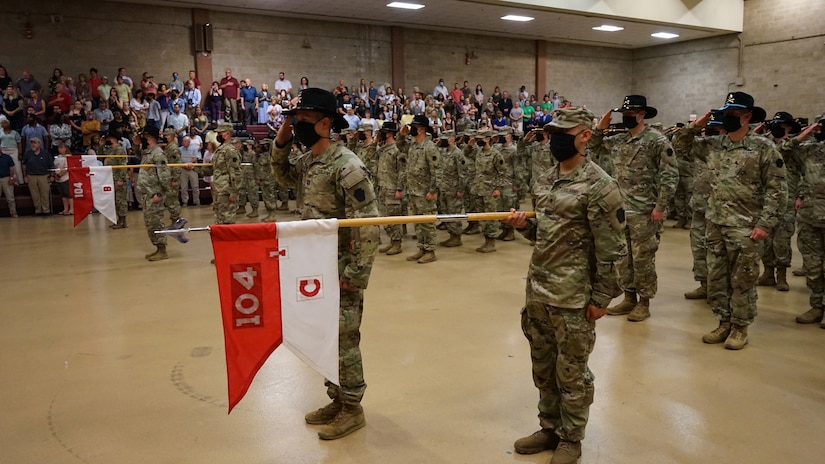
<point>629,121</point>
<point>108,144</point>
<point>539,137</point>
<point>220,138</point>
<point>305,133</point>
<point>443,143</point>
<point>362,136</point>
<point>563,146</point>
<point>414,131</point>
<point>144,143</point>
<point>777,131</point>
<point>820,136</point>
<point>711,131</point>
<point>731,123</point>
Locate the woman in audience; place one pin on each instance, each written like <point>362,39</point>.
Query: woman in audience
<point>114,99</point>
<point>60,132</point>
<point>75,119</point>
<point>39,106</point>
<point>304,83</point>
<point>264,100</point>
<point>478,96</point>
<point>13,108</point>
<point>139,107</point>
<point>165,107</point>
<point>214,103</point>
<point>54,80</point>
<point>83,91</point>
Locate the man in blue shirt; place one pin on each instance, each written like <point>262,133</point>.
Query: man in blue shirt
<point>33,130</point>
<point>7,182</point>
<point>249,102</point>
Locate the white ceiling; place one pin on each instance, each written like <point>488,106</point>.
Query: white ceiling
<point>477,17</point>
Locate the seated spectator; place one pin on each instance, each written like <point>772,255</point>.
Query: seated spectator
<point>500,122</point>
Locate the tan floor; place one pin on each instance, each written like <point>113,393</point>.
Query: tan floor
<point>107,358</point>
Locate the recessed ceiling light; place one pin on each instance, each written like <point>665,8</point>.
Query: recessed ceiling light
<point>664,35</point>
<point>406,6</point>
<point>606,28</point>
<point>517,18</point>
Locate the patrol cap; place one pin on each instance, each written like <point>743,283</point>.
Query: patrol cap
<point>347,131</point>
<point>365,127</point>
<point>568,118</point>
<point>168,131</point>
<point>265,142</point>
<point>224,126</point>
<point>484,133</point>
<point>249,142</point>
<point>505,130</point>
<point>234,140</point>
<point>471,132</point>
<point>322,101</point>
<point>447,134</point>
<point>657,125</point>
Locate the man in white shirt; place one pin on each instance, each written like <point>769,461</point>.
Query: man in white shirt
<point>441,89</point>
<point>283,84</point>
<point>189,153</point>
<point>352,119</point>
<point>178,121</point>
<point>192,98</point>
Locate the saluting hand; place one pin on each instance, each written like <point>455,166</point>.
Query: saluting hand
<point>703,121</point>
<point>604,122</point>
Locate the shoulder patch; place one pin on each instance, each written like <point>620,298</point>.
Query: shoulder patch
<point>435,158</point>
<point>620,215</point>
<point>780,162</point>
<point>669,152</point>
<point>360,194</point>
<point>234,159</point>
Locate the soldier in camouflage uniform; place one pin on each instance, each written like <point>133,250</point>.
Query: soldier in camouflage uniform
<point>510,184</point>
<point>776,255</point>
<point>699,205</point>
<point>487,183</point>
<point>539,160</point>
<point>226,176</point>
<point>748,194</point>
<point>453,183</point>
<point>683,196</point>
<point>365,148</point>
<point>470,202</point>
<point>249,190</point>
<point>155,185</point>
<point>337,186</point>
<point>117,157</point>
<point>808,150</point>
<point>388,190</point>
<point>647,174</point>
<point>579,236</point>
<point>172,152</point>
<point>419,181</point>
<point>265,179</point>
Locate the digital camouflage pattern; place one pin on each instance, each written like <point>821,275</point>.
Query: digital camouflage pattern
<point>153,181</point>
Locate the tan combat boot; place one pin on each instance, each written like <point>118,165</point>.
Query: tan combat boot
<point>416,256</point>
<point>766,279</point>
<point>284,206</point>
<point>625,306</point>
<point>782,279</point>
<point>471,229</point>
<point>270,217</point>
<point>324,415</point>
<point>348,420</point>
<point>385,248</point>
<point>799,272</point>
<point>738,337</point>
<point>719,334</point>
<point>160,254</point>
<point>121,223</point>
<point>453,241</point>
<point>429,257</point>
<point>489,245</point>
<point>568,452</point>
<point>395,248</point>
<point>253,213</point>
<point>507,234</point>
<point>700,293</point>
<point>641,311</point>
<point>680,224</point>
<point>149,255</point>
<point>544,439</point>
<point>810,316</point>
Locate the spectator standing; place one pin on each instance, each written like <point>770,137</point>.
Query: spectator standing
<point>264,99</point>
<point>249,102</point>
<point>214,103</point>
<point>124,93</point>
<point>26,84</point>
<point>441,89</point>
<point>34,130</point>
<point>60,132</point>
<point>178,121</point>
<point>104,115</point>
<point>7,177</point>
<point>11,143</point>
<point>121,72</point>
<point>36,165</point>
<point>505,104</point>
<point>62,179</point>
<point>89,127</point>
<point>94,82</point>
<point>83,91</point>
<point>164,101</point>
<point>13,108</point>
<point>283,84</point>
<point>189,153</point>
<point>230,87</point>
<point>194,78</point>
<point>38,105</point>
<point>176,83</point>
<point>153,111</point>
<point>192,97</point>
<point>5,79</point>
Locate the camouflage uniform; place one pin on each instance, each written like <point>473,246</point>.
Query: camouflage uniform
<point>647,175</point>
<point>118,175</point>
<point>698,205</point>
<point>541,162</point>
<point>153,181</point>
<point>777,250</point>
<point>811,236</point>
<point>488,177</point>
<point>171,201</point>
<point>249,187</point>
<point>510,177</point>
<point>453,181</point>
<point>262,166</point>
<point>684,189</point>
<point>226,181</point>
<point>419,176</point>
<point>579,236</point>
<point>388,174</point>
<point>338,186</point>
<point>748,190</point>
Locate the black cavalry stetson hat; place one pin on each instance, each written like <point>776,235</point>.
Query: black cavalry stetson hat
<point>422,120</point>
<point>742,100</point>
<point>389,126</point>
<point>322,101</point>
<point>151,130</point>
<point>637,102</point>
<point>782,117</point>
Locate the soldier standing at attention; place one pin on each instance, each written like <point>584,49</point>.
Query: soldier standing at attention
<point>154,184</point>
<point>510,179</point>
<point>365,148</point>
<point>117,157</point>
<point>265,179</point>
<point>249,190</point>
<point>579,236</point>
<point>419,180</point>
<point>337,186</point>
<point>747,176</point>
<point>453,181</point>
<point>487,183</point>
<point>172,152</point>
<point>388,181</point>
<point>647,174</point>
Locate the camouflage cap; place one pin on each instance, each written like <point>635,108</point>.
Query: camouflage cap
<point>447,134</point>
<point>567,118</point>
<point>223,127</point>
<point>657,125</point>
<point>471,132</point>
<point>212,137</point>
<point>505,130</point>
<point>168,131</point>
<point>266,142</point>
<point>347,131</point>
<point>366,127</point>
<point>484,133</point>
<point>250,142</point>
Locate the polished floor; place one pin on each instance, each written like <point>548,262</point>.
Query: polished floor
<point>107,358</point>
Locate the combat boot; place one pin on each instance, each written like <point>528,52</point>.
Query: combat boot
<point>767,278</point>
<point>568,452</point>
<point>641,311</point>
<point>680,224</point>
<point>324,415</point>
<point>700,293</point>
<point>453,241</point>
<point>160,254</point>
<point>149,255</point>
<point>348,420</point>
<point>488,247</point>
<point>395,248</point>
<point>253,213</point>
<point>738,337</point>
<point>782,279</point>
<point>429,257</point>
<point>416,256</point>
<point>270,217</point>
<point>625,306</point>
<point>507,235</point>
<point>121,223</point>
<point>799,272</point>
<point>719,334</point>
<point>284,206</point>
<point>441,226</point>
<point>811,316</point>
<point>385,248</point>
<point>544,439</point>
<point>471,229</point>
